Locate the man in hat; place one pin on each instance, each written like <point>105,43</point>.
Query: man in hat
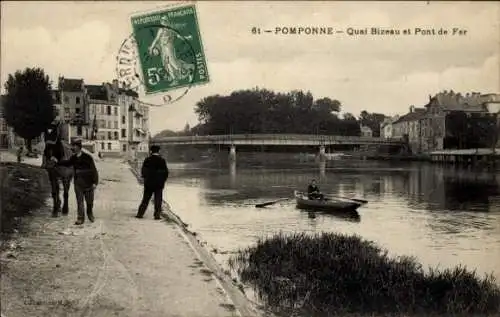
<point>154,171</point>
<point>86,180</point>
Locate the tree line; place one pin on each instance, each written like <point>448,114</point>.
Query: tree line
<point>263,111</point>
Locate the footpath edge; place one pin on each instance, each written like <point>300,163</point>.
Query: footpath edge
<point>243,306</point>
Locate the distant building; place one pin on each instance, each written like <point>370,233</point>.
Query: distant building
<point>73,104</point>
<point>134,135</point>
<point>434,129</point>
<point>386,127</point>
<point>409,127</point>
<point>104,119</point>
<point>366,131</point>
<point>492,103</point>
<point>138,119</point>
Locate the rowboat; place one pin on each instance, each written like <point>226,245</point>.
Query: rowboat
<point>334,204</point>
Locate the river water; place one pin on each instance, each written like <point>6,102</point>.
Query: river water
<point>441,215</point>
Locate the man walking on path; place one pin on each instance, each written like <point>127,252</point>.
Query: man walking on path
<point>154,171</point>
<point>86,180</point>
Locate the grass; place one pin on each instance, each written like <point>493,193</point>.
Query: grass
<point>23,189</point>
<point>338,275</point>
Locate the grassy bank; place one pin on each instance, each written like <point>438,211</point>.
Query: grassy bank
<point>23,189</point>
<point>339,275</point>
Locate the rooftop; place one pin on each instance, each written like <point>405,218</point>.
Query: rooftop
<point>97,92</point>
<point>416,114</point>
<point>70,85</point>
<point>451,101</point>
<point>128,92</point>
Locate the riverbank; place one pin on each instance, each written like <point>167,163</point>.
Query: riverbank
<point>343,275</point>
<point>232,287</point>
<point>118,265</point>
<point>24,189</point>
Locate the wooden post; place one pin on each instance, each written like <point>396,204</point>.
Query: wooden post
<point>232,153</point>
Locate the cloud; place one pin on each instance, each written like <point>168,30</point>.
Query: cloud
<point>81,52</point>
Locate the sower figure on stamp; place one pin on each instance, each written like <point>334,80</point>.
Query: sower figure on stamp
<point>85,181</point>
<point>175,67</point>
<point>154,171</point>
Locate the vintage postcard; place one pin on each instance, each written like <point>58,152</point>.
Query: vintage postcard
<point>250,158</point>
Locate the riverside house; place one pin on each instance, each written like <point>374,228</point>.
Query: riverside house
<point>386,127</point>
<point>409,127</point>
<point>437,128</point>
<point>430,128</point>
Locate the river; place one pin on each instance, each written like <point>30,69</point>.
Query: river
<point>441,215</point>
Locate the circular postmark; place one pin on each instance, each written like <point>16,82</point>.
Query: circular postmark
<point>176,64</point>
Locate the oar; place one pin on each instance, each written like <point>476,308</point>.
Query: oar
<point>262,205</point>
<point>361,201</point>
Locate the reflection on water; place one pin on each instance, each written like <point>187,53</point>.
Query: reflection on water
<point>441,215</point>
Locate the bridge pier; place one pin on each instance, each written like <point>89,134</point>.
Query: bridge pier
<point>322,152</point>
<point>232,174</point>
<point>232,153</point>
<point>322,169</point>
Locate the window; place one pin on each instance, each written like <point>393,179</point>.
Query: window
<point>116,124</point>
<point>66,99</point>
<point>79,130</point>
<point>109,135</point>
<point>108,110</point>
<point>102,146</point>
<point>109,146</point>
<point>77,100</point>
<point>124,133</point>
<point>115,110</point>
<point>116,135</point>
<point>124,147</point>
<point>109,124</point>
<point>77,110</point>
<point>123,119</point>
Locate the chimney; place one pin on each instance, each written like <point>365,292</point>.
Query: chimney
<point>61,82</point>
<point>412,108</point>
<point>115,84</point>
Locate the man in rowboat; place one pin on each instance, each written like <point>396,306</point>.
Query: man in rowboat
<point>313,191</point>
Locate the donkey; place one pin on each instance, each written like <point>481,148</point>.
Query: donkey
<point>56,147</point>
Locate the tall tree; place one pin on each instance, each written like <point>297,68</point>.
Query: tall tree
<point>372,120</point>
<point>264,111</point>
<point>29,105</point>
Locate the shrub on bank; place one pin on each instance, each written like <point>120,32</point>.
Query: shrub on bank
<point>332,274</point>
<point>24,188</point>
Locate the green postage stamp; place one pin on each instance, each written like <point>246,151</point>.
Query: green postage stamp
<point>170,50</point>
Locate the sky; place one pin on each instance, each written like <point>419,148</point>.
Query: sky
<point>385,74</point>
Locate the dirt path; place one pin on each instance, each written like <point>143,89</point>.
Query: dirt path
<point>117,266</point>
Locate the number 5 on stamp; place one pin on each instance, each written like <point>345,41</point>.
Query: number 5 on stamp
<point>170,49</point>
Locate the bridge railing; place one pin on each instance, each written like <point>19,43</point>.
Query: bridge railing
<point>257,137</point>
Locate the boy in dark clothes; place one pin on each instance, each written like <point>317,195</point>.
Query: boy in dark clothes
<point>85,181</point>
<point>313,192</point>
<point>154,171</point>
